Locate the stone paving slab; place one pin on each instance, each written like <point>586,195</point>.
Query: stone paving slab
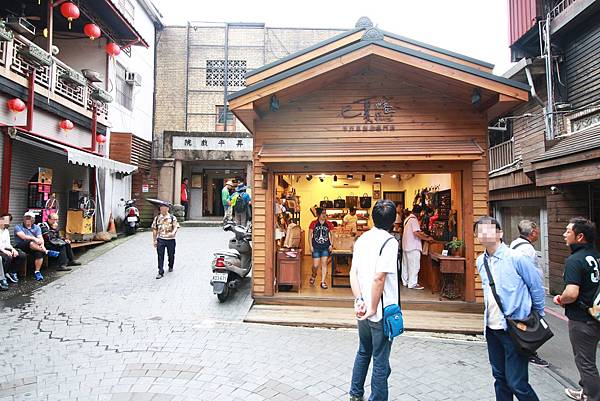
<point>110,331</point>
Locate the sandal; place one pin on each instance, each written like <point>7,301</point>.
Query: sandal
<point>324,286</point>
<point>312,280</point>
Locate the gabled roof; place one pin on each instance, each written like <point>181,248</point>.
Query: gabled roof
<point>365,24</point>
<point>374,37</point>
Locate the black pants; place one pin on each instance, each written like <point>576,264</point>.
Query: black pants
<point>65,253</point>
<point>169,244</point>
<point>12,264</point>
<point>584,338</point>
<point>185,205</point>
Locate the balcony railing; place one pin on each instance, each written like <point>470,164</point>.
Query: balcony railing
<point>560,7</point>
<point>16,68</point>
<point>502,155</point>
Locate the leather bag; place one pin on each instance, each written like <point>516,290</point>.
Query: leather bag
<point>365,201</point>
<point>527,335</point>
<point>339,203</point>
<point>351,201</point>
<point>326,203</point>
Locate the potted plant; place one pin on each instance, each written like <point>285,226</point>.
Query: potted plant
<point>455,246</point>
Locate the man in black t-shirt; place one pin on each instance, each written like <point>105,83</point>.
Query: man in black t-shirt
<point>581,277</point>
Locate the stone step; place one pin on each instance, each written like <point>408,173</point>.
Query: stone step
<point>414,320</point>
<point>203,223</point>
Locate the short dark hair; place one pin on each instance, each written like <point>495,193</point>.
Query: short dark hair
<point>584,226</point>
<point>6,214</point>
<point>417,209</point>
<point>384,214</point>
<point>487,220</point>
<point>320,210</point>
<point>352,209</point>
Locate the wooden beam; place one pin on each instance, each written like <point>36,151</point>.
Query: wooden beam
<point>502,106</point>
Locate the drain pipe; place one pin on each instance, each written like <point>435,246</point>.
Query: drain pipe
<point>532,86</point>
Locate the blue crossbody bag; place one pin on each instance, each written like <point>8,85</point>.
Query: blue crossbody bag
<point>393,322</point>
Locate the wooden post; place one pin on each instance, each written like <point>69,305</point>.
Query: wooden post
<point>270,235</point>
<point>467,226</point>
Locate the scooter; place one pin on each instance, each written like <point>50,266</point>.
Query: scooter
<point>132,217</point>
<point>230,266</point>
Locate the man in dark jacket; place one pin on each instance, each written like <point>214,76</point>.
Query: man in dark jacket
<point>582,277</point>
<point>53,241</point>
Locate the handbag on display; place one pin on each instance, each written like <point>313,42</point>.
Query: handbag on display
<point>527,335</point>
<point>365,201</point>
<point>339,203</point>
<point>351,200</point>
<point>326,203</point>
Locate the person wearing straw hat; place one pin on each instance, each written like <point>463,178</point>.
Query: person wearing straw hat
<point>164,229</point>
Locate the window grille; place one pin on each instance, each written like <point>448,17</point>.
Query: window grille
<point>215,73</point>
<point>124,90</point>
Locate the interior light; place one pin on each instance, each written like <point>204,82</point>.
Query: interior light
<point>321,178</point>
<point>335,178</point>
<point>349,176</point>
<point>393,175</point>
<point>378,176</point>
<point>308,177</point>
<point>45,32</point>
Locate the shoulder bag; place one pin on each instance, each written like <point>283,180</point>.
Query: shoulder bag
<point>527,335</point>
<point>393,322</point>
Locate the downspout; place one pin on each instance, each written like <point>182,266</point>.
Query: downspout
<point>6,168</point>
<point>94,128</point>
<point>532,86</point>
<point>30,100</point>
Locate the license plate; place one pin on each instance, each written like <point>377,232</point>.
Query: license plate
<point>219,277</point>
<point>132,218</point>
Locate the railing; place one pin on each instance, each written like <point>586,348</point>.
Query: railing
<point>77,97</point>
<point>560,7</point>
<point>502,155</point>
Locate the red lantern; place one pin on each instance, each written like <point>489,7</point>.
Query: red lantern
<point>113,49</point>
<point>70,11</point>
<point>16,105</point>
<point>100,138</point>
<point>66,125</point>
<point>92,31</point>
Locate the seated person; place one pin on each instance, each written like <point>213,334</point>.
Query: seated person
<point>53,241</point>
<point>28,238</point>
<point>12,258</point>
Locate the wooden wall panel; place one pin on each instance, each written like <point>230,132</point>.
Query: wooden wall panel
<point>419,114</point>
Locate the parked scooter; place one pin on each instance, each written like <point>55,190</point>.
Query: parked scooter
<point>230,266</point>
<point>132,217</point>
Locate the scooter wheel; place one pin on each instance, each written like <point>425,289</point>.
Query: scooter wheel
<point>223,296</point>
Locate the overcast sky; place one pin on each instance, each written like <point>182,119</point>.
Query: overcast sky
<point>476,28</point>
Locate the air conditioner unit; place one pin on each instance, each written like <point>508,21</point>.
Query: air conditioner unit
<point>341,183</point>
<point>133,78</point>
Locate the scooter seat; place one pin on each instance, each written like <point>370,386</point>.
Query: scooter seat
<point>228,252</point>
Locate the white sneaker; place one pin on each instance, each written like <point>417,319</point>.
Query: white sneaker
<point>575,394</point>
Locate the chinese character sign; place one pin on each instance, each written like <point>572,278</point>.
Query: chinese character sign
<point>375,113</point>
<point>210,143</point>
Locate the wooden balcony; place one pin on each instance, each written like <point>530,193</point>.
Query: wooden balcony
<point>48,85</point>
<point>502,155</point>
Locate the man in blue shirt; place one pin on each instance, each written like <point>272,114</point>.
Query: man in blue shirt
<point>28,238</point>
<point>520,290</point>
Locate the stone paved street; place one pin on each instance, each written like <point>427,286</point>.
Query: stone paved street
<point>110,331</point>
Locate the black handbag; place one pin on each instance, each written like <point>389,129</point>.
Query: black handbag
<point>326,203</point>
<point>365,201</point>
<point>351,201</point>
<point>339,203</point>
<point>527,335</point>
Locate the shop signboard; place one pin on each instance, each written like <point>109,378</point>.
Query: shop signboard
<point>212,143</point>
<point>374,113</point>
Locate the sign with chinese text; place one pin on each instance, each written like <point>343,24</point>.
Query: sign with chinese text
<point>212,143</point>
<point>375,113</point>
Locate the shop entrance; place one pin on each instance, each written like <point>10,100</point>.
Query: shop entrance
<point>348,198</point>
<point>214,180</point>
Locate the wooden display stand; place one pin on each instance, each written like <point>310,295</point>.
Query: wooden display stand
<point>289,268</point>
<point>447,265</point>
<point>79,227</point>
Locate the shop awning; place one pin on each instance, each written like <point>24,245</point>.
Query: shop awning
<point>76,156</point>
<point>371,151</point>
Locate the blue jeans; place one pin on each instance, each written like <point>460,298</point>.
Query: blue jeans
<point>372,343</point>
<point>509,368</point>
<point>320,253</point>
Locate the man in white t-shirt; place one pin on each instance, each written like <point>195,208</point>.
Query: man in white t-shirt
<point>373,277</point>
<point>411,249</point>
